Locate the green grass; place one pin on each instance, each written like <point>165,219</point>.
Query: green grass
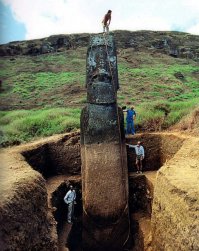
<point>30,80</point>
<point>157,79</point>
<point>155,71</point>
<point>24,125</point>
<point>155,112</point>
<point>57,80</point>
<point>33,81</point>
<point>180,109</point>
<point>41,82</point>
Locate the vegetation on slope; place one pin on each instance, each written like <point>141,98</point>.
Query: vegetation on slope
<point>20,126</point>
<point>43,95</point>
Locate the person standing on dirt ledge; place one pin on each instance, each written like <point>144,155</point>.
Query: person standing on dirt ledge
<point>139,150</point>
<point>130,117</point>
<point>106,21</point>
<point>69,199</point>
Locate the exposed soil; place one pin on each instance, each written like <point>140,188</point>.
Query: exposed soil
<point>161,149</point>
<point>25,222</point>
<point>143,217</point>
<point>175,224</point>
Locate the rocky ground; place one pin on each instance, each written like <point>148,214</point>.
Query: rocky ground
<point>176,44</point>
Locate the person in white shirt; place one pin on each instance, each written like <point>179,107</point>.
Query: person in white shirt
<point>69,199</point>
<point>139,150</point>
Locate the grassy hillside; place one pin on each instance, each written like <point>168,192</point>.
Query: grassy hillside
<point>42,95</point>
<point>58,79</point>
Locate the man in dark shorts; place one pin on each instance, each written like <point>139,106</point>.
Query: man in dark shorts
<point>139,150</point>
<point>106,21</point>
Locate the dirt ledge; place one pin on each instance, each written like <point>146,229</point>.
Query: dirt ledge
<point>25,222</point>
<point>175,217</point>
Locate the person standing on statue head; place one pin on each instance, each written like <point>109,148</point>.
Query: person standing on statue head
<point>69,199</point>
<point>106,21</point>
<point>130,117</point>
<point>139,150</point>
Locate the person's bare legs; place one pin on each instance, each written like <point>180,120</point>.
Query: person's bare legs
<point>141,165</point>
<point>137,164</point>
<point>107,29</point>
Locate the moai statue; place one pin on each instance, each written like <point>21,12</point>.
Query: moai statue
<point>103,153</point>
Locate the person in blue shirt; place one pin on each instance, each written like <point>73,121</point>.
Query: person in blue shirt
<point>130,117</point>
<point>69,199</point>
<point>139,150</point>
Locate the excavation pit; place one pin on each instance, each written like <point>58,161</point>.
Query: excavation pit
<point>59,157</point>
<point>66,233</point>
<point>43,172</point>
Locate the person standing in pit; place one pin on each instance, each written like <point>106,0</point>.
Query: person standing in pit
<point>69,199</point>
<point>139,150</point>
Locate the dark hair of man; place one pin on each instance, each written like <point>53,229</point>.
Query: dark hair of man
<point>109,11</point>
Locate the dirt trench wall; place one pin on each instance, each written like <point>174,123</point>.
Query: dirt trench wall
<point>60,155</point>
<point>25,223</point>
<point>175,216</point>
<point>159,147</point>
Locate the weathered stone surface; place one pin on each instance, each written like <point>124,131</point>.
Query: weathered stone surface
<point>175,212</point>
<point>179,75</point>
<point>102,74</point>
<point>103,152</point>
<point>176,44</point>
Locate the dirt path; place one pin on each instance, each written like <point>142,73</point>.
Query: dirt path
<point>63,236</point>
